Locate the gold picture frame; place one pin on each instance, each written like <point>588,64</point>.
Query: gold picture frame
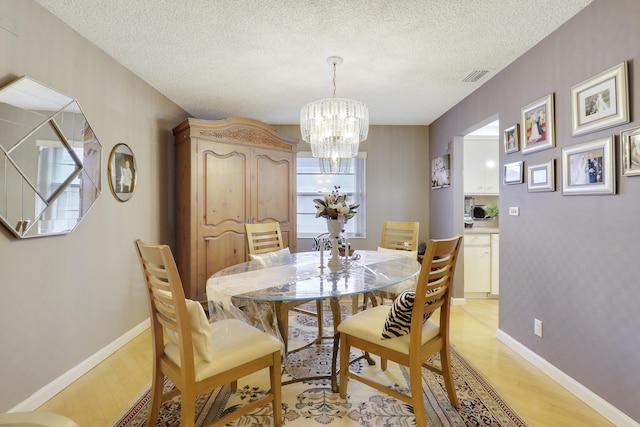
<point>123,172</point>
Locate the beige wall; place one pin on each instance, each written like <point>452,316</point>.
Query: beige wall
<point>398,183</point>
<point>65,298</point>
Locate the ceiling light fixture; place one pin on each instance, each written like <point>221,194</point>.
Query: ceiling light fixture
<point>334,127</point>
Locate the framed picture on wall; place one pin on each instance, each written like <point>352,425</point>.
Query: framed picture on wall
<point>630,151</point>
<point>513,173</point>
<point>541,177</point>
<point>123,174</point>
<point>537,126</point>
<point>601,101</point>
<point>512,139</point>
<point>589,168</point>
<point>441,172</point>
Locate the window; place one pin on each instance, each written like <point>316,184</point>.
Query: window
<point>311,184</point>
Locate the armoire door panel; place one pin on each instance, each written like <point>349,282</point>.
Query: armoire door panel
<point>272,171</point>
<point>225,187</point>
<point>228,248</point>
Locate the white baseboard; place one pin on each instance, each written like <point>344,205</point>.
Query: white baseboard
<point>600,405</point>
<point>59,384</point>
<point>458,301</point>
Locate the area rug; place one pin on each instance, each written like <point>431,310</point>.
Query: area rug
<point>313,403</point>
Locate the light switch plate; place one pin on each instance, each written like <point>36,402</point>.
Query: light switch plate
<point>514,210</point>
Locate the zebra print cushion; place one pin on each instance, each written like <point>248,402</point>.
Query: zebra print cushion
<point>398,321</point>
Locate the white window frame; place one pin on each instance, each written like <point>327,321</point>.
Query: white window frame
<point>356,226</point>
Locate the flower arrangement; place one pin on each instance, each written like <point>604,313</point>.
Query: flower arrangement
<point>335,206</point>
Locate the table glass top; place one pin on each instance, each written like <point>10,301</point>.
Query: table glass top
<point>299,277</point>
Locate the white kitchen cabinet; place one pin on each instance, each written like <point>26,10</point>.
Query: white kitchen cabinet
<point>495,265</point>
<point>481,169</point>
<point>477,264</point>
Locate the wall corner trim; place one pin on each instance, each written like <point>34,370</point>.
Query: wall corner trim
<point>600,405</point>
<point>56,386</point>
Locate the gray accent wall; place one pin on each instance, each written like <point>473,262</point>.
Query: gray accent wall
<point>65,298</point>
<point>570,261</point>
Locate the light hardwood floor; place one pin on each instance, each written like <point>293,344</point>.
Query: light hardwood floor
<point>98,397</point>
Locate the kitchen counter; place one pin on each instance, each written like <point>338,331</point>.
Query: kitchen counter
<point>481,230</point>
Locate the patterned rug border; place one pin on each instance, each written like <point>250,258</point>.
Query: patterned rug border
<point>505,405</point>
<point>495,398</point>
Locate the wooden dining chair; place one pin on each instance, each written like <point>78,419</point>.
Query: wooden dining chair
<point>401,236</point>
<point>264,237</point>
<point>403,332</point>
<point>263,240</point>
<point>200,356</point>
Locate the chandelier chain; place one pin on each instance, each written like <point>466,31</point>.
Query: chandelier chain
<point>334,79</point>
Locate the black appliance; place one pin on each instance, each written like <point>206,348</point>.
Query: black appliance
<point>479,212</point>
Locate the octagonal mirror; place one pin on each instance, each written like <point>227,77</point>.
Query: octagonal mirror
<point>50,160</point>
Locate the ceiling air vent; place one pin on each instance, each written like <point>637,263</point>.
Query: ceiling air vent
<point>475,75</point>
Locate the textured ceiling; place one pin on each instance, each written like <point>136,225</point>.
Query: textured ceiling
<point>264,59</point>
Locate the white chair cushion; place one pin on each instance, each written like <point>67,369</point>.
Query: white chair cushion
<point>233,343</point>
<point>368,323</point>
<point>200,332</point>
<point>267,259</point>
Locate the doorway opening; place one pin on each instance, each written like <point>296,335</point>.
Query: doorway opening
<point>481,215</point>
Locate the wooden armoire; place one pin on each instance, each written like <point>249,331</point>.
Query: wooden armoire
<point>228,172</point>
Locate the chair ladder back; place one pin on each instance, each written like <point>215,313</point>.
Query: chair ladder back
<point>400,235</point>
<point>166,296</point>
<point>433,290</point>
<point>264,237</point>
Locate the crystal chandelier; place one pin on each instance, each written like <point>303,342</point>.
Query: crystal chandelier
<point>334,128</point>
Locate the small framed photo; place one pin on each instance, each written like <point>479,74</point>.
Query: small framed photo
<point>537,126</point>
<point>122,172</point>
<point>589,168</point>
<point>513,173</point>
<point>441,172</point>
<point>512,139</point>
<point>542,177</point>
<point>630,151</point>
<point>601,101</point>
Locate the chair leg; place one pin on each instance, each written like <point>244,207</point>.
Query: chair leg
<point>188,408</point>
<point>445,360</point>
<point>275,371</point>
<point>156,397</point>
<point>415,384</point>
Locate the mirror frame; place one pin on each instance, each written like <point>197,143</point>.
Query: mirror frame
<point>120,155</point>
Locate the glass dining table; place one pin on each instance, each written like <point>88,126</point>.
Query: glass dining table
<point>252,290</point>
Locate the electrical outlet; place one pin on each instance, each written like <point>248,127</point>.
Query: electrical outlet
<point>514,210</point>
<point>537,327</point>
